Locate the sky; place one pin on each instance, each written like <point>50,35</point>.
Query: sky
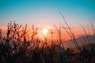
<point>46,12</point>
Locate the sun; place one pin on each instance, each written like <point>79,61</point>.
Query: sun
<point>44,31</point>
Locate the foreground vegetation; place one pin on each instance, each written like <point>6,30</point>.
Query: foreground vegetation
<point>16,47</point>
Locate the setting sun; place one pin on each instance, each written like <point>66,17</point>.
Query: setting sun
<point>44,31</point>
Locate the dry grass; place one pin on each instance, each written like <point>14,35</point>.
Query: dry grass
<point>18,48</point>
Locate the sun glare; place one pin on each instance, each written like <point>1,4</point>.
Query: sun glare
<point>45,31</point>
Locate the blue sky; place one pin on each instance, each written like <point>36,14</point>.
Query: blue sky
<point>46,11</point>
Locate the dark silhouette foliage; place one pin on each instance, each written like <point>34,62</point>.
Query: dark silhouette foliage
<point>16,47</point>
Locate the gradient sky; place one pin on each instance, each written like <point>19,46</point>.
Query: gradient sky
<point>46,12</point>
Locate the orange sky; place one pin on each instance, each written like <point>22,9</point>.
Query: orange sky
<point>64,36</point>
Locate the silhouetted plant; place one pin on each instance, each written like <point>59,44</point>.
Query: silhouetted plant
<point>70,33</point>
<point>17,48</point>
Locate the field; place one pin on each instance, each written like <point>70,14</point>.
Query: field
<point>17,47</point>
